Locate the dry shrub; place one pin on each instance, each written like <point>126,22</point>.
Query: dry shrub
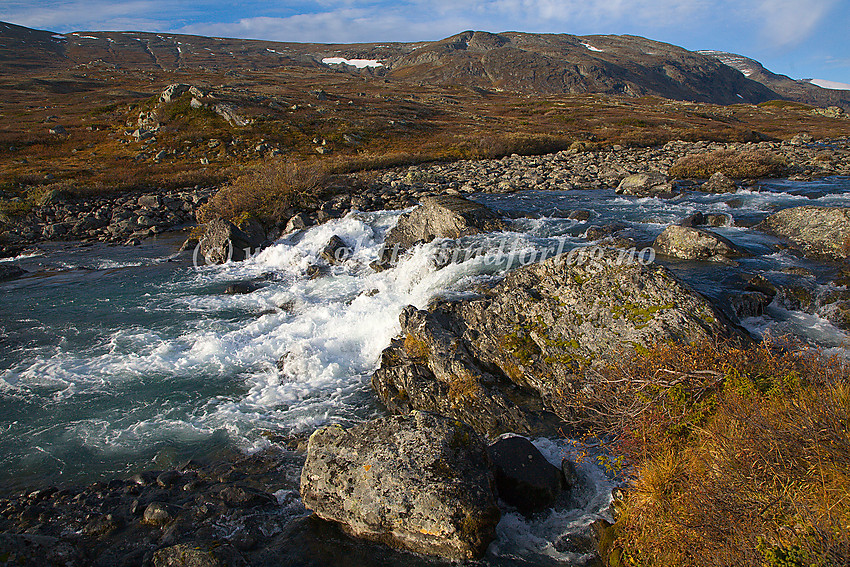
<point>267,192</point>
<point>742,455</point>
<point>738,165</point>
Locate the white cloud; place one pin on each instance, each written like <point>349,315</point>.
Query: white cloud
<point>785,23</point>
<point>772,23</point>
<point>85,15</point>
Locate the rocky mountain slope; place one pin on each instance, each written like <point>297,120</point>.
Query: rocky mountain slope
<point>510,61</point>
<point>800,91</point>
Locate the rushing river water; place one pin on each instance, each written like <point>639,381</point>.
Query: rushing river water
<point>115,359</point>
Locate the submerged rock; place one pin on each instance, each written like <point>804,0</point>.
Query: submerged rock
<point>241,288</point>
<point>690,243</point>
<point>420,482</point>
<point>819,232</point>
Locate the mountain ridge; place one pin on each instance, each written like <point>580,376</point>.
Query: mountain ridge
<point>510,61</point>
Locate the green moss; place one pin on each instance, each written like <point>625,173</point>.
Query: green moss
<point>637,315</point>
<point>521,346</point>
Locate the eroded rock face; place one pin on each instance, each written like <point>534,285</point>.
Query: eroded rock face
<point>535,333</point>
<point>421,482</point>
<point>690,243</point>
<point>223,241</point>
<point>819,232</point>
<point>443,216</point>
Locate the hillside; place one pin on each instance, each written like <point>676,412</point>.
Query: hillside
<point>510,61</point>
<point>799,91</point>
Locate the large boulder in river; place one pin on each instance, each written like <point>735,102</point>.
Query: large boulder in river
<point>690,243</point>
<point>645,185</point>
<point>223,241</point>
<point>537,332</point>
<point>819,232</point>
<point>420,482</point>
<point>442,216</point>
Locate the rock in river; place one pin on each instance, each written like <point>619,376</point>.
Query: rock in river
<point>421,482</point>
<point>442,216</point>
<point>690,243</point>
<point>820,232</point>
<point>223,241</point>
<point>487,360</point>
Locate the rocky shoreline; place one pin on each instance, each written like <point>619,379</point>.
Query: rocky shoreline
<point>128,218</point>
<point>508,360</point>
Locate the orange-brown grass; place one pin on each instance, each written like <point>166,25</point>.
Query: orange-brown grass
<point>267,192</point>
<point>742,455</point>
<point>738,165</point>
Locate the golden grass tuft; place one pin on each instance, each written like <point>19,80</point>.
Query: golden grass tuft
<point>267,191</point>
<point>737,165</point>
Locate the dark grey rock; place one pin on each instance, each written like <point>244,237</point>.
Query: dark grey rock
<point>524,478</point>
<point>420,482</point>
<point>223,241</point>
<point>336,251</point>
<point>241,288</point>
<point>10,271</point>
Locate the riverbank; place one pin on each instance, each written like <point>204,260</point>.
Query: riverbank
<point>124,219</point>
<point>302,348</point>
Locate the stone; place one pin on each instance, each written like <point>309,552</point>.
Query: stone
<point>336,251</point>
<point>645,185</point>
<point>443,216</point>
<point>55,230</point>
<point>719,183</point>
<point>230,113</point>
<point>524,478</point>
<point>157,514</point>
<point>513,358</point>
<point>718,219</point>
<point>58,130</point>
<point>297,222</point>
<point>690,243</point>
<point>241,288</point>
<point>421,482</point>
<point>10,271</point>
<point>223,241</point>
<point>819,232</point>
<point>198,555</point>
<point>173,91</point>
<point>749,304</point>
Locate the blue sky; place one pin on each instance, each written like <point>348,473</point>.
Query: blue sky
<point>799,38</point>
